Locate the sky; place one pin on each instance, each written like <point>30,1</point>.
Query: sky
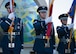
<point>60,7</point>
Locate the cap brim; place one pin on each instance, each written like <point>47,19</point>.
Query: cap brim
<point>64,18</point>
<point>43,11</point>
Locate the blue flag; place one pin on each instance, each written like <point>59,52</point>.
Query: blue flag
<point>72,10</point>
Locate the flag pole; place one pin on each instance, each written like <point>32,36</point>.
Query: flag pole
<point>49,25</point>
<point>71,30</point>
<point>10,30</point>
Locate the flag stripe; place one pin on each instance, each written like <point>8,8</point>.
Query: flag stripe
<point>50,7</point>
<point>11,5</point>
<point>72,10</point>
<point>50,10</point>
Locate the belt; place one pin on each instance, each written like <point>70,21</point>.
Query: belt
<point>41,36</point>
<point>13,33</point>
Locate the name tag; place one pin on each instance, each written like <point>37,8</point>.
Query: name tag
<point>11,45</point>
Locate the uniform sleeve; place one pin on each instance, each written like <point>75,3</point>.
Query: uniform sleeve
<point>60,32</point>
<point>4,23</point>
<point>21,35</point>
<point>38,25</point>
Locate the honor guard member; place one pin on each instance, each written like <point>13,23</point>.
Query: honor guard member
<point>64,35</point>
<point>16,36</point>
<point>40,26</point>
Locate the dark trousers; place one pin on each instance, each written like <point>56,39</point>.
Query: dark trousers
<point>11,51</point>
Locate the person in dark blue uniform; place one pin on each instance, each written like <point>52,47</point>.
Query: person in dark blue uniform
<point>16,45</point>
<point>64,35</point>
<point>40,26</point>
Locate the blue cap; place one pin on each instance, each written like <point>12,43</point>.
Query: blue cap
<point>63,17</point>
<point>42,9</point>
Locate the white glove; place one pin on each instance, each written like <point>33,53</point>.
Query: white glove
<point>11,15</point>
<point>70,26</point>
<point>68,40</point>
<point>48,20</point>
<point>55,51</point>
